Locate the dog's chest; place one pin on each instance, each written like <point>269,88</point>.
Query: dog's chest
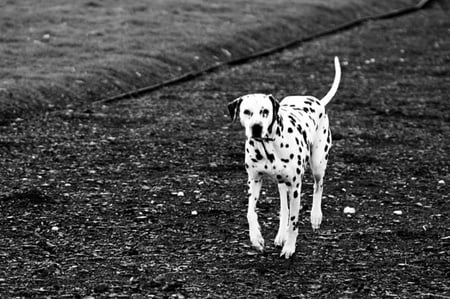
<point>287,154</point>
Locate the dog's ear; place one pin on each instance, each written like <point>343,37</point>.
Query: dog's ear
<point>275,105</point>
<point>233,108</point>
<point>275,108</point>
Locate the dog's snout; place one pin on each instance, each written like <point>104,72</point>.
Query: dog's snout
<point>256,131</point>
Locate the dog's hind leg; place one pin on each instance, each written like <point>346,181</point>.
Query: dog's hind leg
<point>319,156</point>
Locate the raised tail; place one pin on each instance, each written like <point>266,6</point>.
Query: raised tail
<point>337,78</point>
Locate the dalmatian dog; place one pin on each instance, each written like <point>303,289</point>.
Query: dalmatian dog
<point>282,138</point>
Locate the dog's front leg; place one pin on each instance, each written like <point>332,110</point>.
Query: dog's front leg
<point>254,228</point>
<point>293,222</point>
<point>284,215</point>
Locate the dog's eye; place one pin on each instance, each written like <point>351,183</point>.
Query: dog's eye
<point>265,112</point>
<point>247,112</point>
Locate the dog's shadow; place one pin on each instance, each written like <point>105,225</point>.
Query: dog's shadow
<point>269,262</point>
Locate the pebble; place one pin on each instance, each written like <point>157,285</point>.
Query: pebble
<point>349,210</point>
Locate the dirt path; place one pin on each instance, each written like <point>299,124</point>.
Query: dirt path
<point>147,197</point>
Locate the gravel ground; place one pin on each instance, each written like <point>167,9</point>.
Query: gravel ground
<point>147,198</point>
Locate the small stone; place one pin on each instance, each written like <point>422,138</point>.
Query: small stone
<point>349,210</point>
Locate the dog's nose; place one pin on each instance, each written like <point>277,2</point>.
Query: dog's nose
<point>256,131</point>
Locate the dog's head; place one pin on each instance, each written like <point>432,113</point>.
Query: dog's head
<point>257,113</point>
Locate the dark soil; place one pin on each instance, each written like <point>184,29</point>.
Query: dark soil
<point>147,198</point>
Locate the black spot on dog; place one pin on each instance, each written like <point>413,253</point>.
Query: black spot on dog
<point>281,145</point>
<point>288,184</point>
<point>271,157</point>
<point>265,166</point>
<point>258,155</point>
<point>296,141</point>
<point>312,110</point>
<point>285,160</point>
<point>306,110</point>
<point>295,194</point>
<point>326,148</point>
<point>246,165</point>
<point>278,132</point>
<point>305,138</point>
<point>298,171</point>
<point>320,115</point>
<point>254,160</point>
<point>291,156</point>
<point>290,130</point>
<point>279,177</point>
<point>293,121</point>
<point>287,145</point>
<point>326,157</point>
<point>251,143</point>
<point>292,218</point>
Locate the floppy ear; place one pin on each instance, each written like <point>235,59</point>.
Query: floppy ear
<point>233,108</point>
<point>275,106</point>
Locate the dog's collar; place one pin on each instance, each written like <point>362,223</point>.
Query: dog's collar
<point>269,156</point>
<point>263,139</point>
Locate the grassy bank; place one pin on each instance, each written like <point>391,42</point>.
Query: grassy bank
<point>58,53</point>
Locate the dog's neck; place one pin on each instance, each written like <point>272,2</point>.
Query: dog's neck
<point>275,128</point>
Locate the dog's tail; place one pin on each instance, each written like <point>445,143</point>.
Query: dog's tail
<point>337,78</point>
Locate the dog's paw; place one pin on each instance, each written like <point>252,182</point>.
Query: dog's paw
<point>316,219</point>
<point>257,240</point>
<point>280,239</point>
<point>288,249</point>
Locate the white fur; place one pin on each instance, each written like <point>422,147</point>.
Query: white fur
<point>280,144</point>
